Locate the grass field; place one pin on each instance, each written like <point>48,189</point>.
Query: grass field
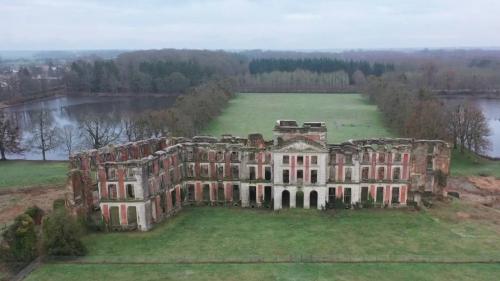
<point>220,235</point>
<point>351,272</point>
<point>347,116</point>
<point>14,173</point>
<point>468,164</point>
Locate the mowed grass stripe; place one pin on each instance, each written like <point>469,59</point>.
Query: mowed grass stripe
<point>222,234</point>
<point>348,116</point>
<point>208,234</point>
<point>355,272</point>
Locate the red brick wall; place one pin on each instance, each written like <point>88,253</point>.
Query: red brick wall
<point>260,155</point>
<point>229,192</point>
<point>402,194</point>
<point>123,214</point>
<point>389,166</point>
<point>169,200</point>
<point>373,191</point>
<point>213,192</point>
<point>339,192</point>
<point>340,161</point>
<point>105,212</point>
<point>198,194</point>
<point>406,160</point>
<point>121,183</point>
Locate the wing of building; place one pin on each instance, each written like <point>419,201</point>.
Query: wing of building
<point>137,185</point>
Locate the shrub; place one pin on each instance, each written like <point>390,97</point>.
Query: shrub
<point>339,204</point>
<point>61,235</point>
<point>35,213</point>
<point>21,239</point>
<point>369,203</point>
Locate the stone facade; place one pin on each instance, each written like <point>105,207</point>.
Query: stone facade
<point>139,184</point>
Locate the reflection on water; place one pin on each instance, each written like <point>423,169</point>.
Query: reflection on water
<point>491,110</point>
<point>71,110</point>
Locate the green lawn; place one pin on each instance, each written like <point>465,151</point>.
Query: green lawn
<point>245,235</point>
<point>351,272</point>
<point>468,164</point>
<point>347,116</point>
<point>18,173</point>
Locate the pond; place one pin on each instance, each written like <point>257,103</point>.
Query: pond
<point>71,110</point>
<point>491,111</point>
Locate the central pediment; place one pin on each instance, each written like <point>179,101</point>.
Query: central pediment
<point>300,144</point>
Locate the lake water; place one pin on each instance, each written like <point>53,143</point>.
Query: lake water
<point>491,110</point>
<point>71,110</point>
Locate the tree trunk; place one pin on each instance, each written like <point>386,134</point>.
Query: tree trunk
<point>2,152</point>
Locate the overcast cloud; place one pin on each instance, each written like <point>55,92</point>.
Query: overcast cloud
<point>248,24</point>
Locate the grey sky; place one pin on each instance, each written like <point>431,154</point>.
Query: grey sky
<point>248,24</point>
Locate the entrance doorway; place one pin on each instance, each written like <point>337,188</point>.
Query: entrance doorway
<point>313,199</point>
<point>267,194</point>
<point>285,199</point>
<point>253,195</point>
<point>299,199</point>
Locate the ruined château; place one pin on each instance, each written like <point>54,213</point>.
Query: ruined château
<point>137,185</point>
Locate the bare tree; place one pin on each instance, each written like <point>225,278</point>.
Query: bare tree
<point>45,135</point>
<point>69,136</point>
<point>135,128</point>
<point>10,137</point>
<point>99,131</point>
<point>469,127</point>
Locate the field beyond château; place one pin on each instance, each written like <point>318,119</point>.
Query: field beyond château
<point>347,116</point>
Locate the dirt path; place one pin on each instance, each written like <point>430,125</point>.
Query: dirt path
<point>16,202</point>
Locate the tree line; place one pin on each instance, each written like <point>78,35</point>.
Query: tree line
<point>318,65</point>
<point>295,81</point>
<point>146,77</point>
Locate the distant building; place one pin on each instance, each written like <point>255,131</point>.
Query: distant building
<point>136,185</point>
